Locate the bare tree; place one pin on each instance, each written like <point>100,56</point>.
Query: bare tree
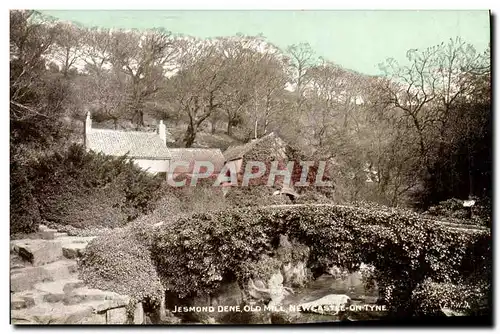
<point>144,58</point>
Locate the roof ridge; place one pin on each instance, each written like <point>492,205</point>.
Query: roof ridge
<point>123,131</point>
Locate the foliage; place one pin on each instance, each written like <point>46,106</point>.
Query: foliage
<point>262,269</point>
<point>252,196</point>
<point>85,189</point>
<point>118,262</point>
<point>24,213</point>
<point>313,197</point>
<point>467,299</point>
<point>453,210</point>
<point>195,255</point>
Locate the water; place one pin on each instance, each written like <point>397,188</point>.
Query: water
<point>351,286</point>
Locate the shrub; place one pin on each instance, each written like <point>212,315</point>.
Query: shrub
<point>312,197</point>
<point>252,196</point>
<point>24,211</point>
<point>84,208</point>
<point>80,188</point>
<point>467,299</point>
<point>119,262</point>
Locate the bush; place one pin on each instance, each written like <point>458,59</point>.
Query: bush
<point>312,197</point>
<point>84,208</point>
<point>119,262</point>
<point>80,188</point>
<point>252,196</point>
<point>24,211</point>
<point>466,299</point>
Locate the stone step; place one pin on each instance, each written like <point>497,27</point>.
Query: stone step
<point>26,278</point>
<point>54,292</point>
<point>48,234</point>
<point>18,301</point>
<point>56,313</point>
<point>73,247</point>
<point>91,312</point>
<point>37,252</point>
<point>60,235</point>
<point>22,279</point>
<point>26,299</point>
<point>73,251</point>
<point>85,294</point>
<point>61,269</point>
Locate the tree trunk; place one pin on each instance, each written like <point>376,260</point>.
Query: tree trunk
<point>229,128</point>
<point>212,130</point>
<point>255,128</point>
<point>190,135</point>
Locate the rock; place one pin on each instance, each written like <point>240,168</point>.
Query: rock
<point>94,319</point>
<point>285,317</point>
<point>61,269</point>
<point>60,235</point>
<point>73,251</point>
<point>42,228</point>
<point>72,284</point>
<point>73,247</point>
<point>116,316</point>
<point>48,234</point>
<point>56,291</point>
<point>295,274</point>
<point>330,304</point>
<point>18,302</point>
<point>17,266</point>
<point>26,278</point>
<point>138,314</point>
<point>452,313</point>
<point>83,294</point>
<point>38,252</point>
<point>66,240</point>
<point>273,292</point>
<point>31,297</point>
<point>57,313</point>
<point>276,290</point>
<point>101,306</point>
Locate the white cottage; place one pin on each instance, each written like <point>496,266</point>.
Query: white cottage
<point>147,149</point>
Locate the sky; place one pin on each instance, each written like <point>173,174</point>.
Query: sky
<point>357,40</point>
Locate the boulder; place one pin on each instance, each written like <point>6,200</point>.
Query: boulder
<point>73,247</point>
<point>38,252</point>
<point>116,316</point>
<point>73,251</point>
<point>138,314</point>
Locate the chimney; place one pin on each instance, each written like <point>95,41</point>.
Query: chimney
<point>162,131</point>
<point>88,123</point>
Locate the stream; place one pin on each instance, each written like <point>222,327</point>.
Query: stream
<point>351,286</point>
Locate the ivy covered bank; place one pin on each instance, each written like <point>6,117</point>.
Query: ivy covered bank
<point>421,265</point>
